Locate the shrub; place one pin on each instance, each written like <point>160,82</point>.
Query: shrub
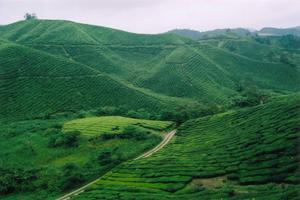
<point>72,176</point>
<point>12,180</point>
<point>107,136</point>
<point>52,131</point>
<point>131,132</point>
<point>251,96</point>
<point>105,157</point>
<point>68,139</point>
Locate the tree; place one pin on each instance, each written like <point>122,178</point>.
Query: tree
<point>68,139</point>
<point>105,157</point>
<point>30,16</point>
<point>251,96</point>
<point>72,176</point>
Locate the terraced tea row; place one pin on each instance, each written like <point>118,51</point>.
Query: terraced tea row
<point>251,153</point>
<point>95,126</point>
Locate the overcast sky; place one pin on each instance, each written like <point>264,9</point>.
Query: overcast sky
<point>155,16</point>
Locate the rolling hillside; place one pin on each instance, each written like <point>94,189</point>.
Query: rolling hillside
<point>66,32</point>
<point>35,83</point>
<point>158,70</point>
<point>262,51</point>
<point>244,154</point>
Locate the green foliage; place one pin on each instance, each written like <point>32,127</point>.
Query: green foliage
<point>72,176</point>
<point>12,180</point>
<point>68,139</point>
<point>105,157</point>
<point>251,96</point>
<point>129,132</point>
<point>133,132</point>
<point>182,114</point>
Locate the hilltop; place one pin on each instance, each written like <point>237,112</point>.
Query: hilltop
<point>67,32</point>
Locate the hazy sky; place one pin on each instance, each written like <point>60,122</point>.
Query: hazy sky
<point>154,16</point>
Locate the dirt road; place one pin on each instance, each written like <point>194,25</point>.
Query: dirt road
<point>165,141</point>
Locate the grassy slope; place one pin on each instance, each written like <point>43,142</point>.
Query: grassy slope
<point>66,32</point>
<point>265,74</point>
<point>95,126</point>
<point>34,83</point>
<point>251,153</point>
<point>45,165</point>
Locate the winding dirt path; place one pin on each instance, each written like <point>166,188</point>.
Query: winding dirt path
<point>163,143</point>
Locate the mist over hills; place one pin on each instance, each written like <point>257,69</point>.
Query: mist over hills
<point>236,32</point>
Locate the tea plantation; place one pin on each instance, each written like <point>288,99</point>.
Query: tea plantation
<point>163,71</point>
<point>79,102</point>
<point>35,84</point>
<point>251,153</point>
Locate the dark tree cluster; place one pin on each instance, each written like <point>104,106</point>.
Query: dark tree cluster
<point>30,16</point>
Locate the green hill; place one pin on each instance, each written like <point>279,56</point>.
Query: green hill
<point>246,154</point>
<point>157,69</point>
<point>263,49</point>
<point>67,32</point>
<point>265,74</point>
<point>35,83</point>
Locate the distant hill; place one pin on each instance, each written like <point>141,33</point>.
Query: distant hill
<point>188,33</point>
<point>268,31</point>
<point>235,33</point>
<point>218,33</point>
